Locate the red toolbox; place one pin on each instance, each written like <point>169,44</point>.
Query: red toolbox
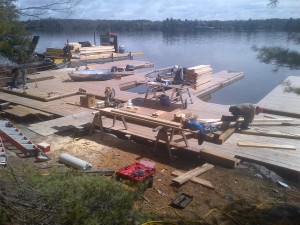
<point>136,172</point>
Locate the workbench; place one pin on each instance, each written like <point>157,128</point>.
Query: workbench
<point>162,126</point>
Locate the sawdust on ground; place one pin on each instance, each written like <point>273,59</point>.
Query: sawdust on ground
<point>240,196</point>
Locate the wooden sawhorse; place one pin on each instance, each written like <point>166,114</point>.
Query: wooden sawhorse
<point>168,126</point>
<point>178,90</point>
<point>153,88</point>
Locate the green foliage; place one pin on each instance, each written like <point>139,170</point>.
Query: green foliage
<point>4,219</point>
<point>79,198</point>
<point>169,24</point>
<point>278,56</point>
<point>14,41</point>
<point>291,89</point>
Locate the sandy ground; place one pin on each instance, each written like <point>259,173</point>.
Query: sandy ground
<point>246,195</point>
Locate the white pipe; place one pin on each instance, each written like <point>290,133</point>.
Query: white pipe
<point>73,161</point>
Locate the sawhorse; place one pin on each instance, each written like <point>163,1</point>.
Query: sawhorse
<point>169,126</point>
<point>153,88</point>
<point>98,121</point>
<point>163,135</point>
<point>178,90</point>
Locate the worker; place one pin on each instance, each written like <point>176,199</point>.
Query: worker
<point>179,75</point>
<point>202,128</point>
<point>14,82</point>
<point>247,111</point>
<point>24,77</point>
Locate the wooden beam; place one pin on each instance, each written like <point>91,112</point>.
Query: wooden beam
<point>281,113</point>
<point>192,173</point>
<point>275,124</point>
<point>270,133</point>
<point>219,159</point>
<point>265,145</point>
<point>223,137</point>
<point>196,180</point>
<point>273,120</point>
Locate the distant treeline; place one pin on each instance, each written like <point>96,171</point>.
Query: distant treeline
<point>61,25</point>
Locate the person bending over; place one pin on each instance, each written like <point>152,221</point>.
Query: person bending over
<point>247,111</point>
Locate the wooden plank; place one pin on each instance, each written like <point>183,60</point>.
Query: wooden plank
<point>22,111</point>
<point>192,173</point>
<point>219,159</point>
<point>265,145</point>
<point>196,180</point>
<point>223,137</point>
<point>273,120</point>
<point>147,118</point>
<point>282,113</point>
<point>270,133</point>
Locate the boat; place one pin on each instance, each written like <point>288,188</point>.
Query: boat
<point>97,74</point>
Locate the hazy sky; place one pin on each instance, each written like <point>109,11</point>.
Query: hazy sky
<point>177,9</point>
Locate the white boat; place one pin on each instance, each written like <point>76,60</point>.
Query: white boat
<point>97,74</point>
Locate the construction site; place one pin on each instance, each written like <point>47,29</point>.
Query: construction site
<point>106,127</point>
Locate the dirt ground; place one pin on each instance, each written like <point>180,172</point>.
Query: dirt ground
<point>245,195</point>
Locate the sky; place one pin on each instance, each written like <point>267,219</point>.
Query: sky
<point>176,9</point>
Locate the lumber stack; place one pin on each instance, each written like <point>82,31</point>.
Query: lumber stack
<point>57,53</point>
<point>198,75</point>
<point>93,50</point>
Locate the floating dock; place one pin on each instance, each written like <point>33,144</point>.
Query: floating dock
<point>53,93</point>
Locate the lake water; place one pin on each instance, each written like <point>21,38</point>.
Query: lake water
<point>221,50</point>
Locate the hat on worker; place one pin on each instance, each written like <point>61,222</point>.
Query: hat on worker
<point>176,67</point>
<point>259,109</point>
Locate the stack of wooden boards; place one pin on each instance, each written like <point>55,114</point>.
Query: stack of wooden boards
<point>93,50</point>
<point>54,53</point>
<point>198,75</point>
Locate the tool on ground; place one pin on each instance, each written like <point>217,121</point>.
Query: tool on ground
<point>13,135</point>
<point>182,200</point>
<point>110,98</point>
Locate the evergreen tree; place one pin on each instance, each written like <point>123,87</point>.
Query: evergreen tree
<point>14,40</point>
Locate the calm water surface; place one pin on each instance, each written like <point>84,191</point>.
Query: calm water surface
<point>221,50</point>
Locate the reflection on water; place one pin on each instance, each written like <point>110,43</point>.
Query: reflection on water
<point>221,50</point>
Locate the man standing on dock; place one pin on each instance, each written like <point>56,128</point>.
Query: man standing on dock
<point>245,110</point>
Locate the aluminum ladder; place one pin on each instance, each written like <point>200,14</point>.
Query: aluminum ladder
<point>13,135</point>
<point>3,160</point>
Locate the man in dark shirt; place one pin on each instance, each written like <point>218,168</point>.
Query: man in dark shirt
<point>247,111</point>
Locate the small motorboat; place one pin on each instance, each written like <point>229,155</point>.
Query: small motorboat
<point>98,74</point>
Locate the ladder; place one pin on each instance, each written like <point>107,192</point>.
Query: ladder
<point>13,135</point>
<point>3,159</point>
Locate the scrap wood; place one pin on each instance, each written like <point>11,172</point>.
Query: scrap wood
<point>265,145</point>
<point>192,173</point>
<point>158,113</point>
<point>270,133</point>
<point>197,180</point>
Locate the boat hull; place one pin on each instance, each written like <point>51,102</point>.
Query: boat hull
<point>96,75</point>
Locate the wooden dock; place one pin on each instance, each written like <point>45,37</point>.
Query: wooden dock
<point>53,92</point>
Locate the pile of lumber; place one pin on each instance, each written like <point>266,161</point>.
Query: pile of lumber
<point>198,75</point>
<point>93,50</point>
<point>57,53</point>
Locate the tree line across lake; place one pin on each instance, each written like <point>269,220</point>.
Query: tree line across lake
<point>60,25</point>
